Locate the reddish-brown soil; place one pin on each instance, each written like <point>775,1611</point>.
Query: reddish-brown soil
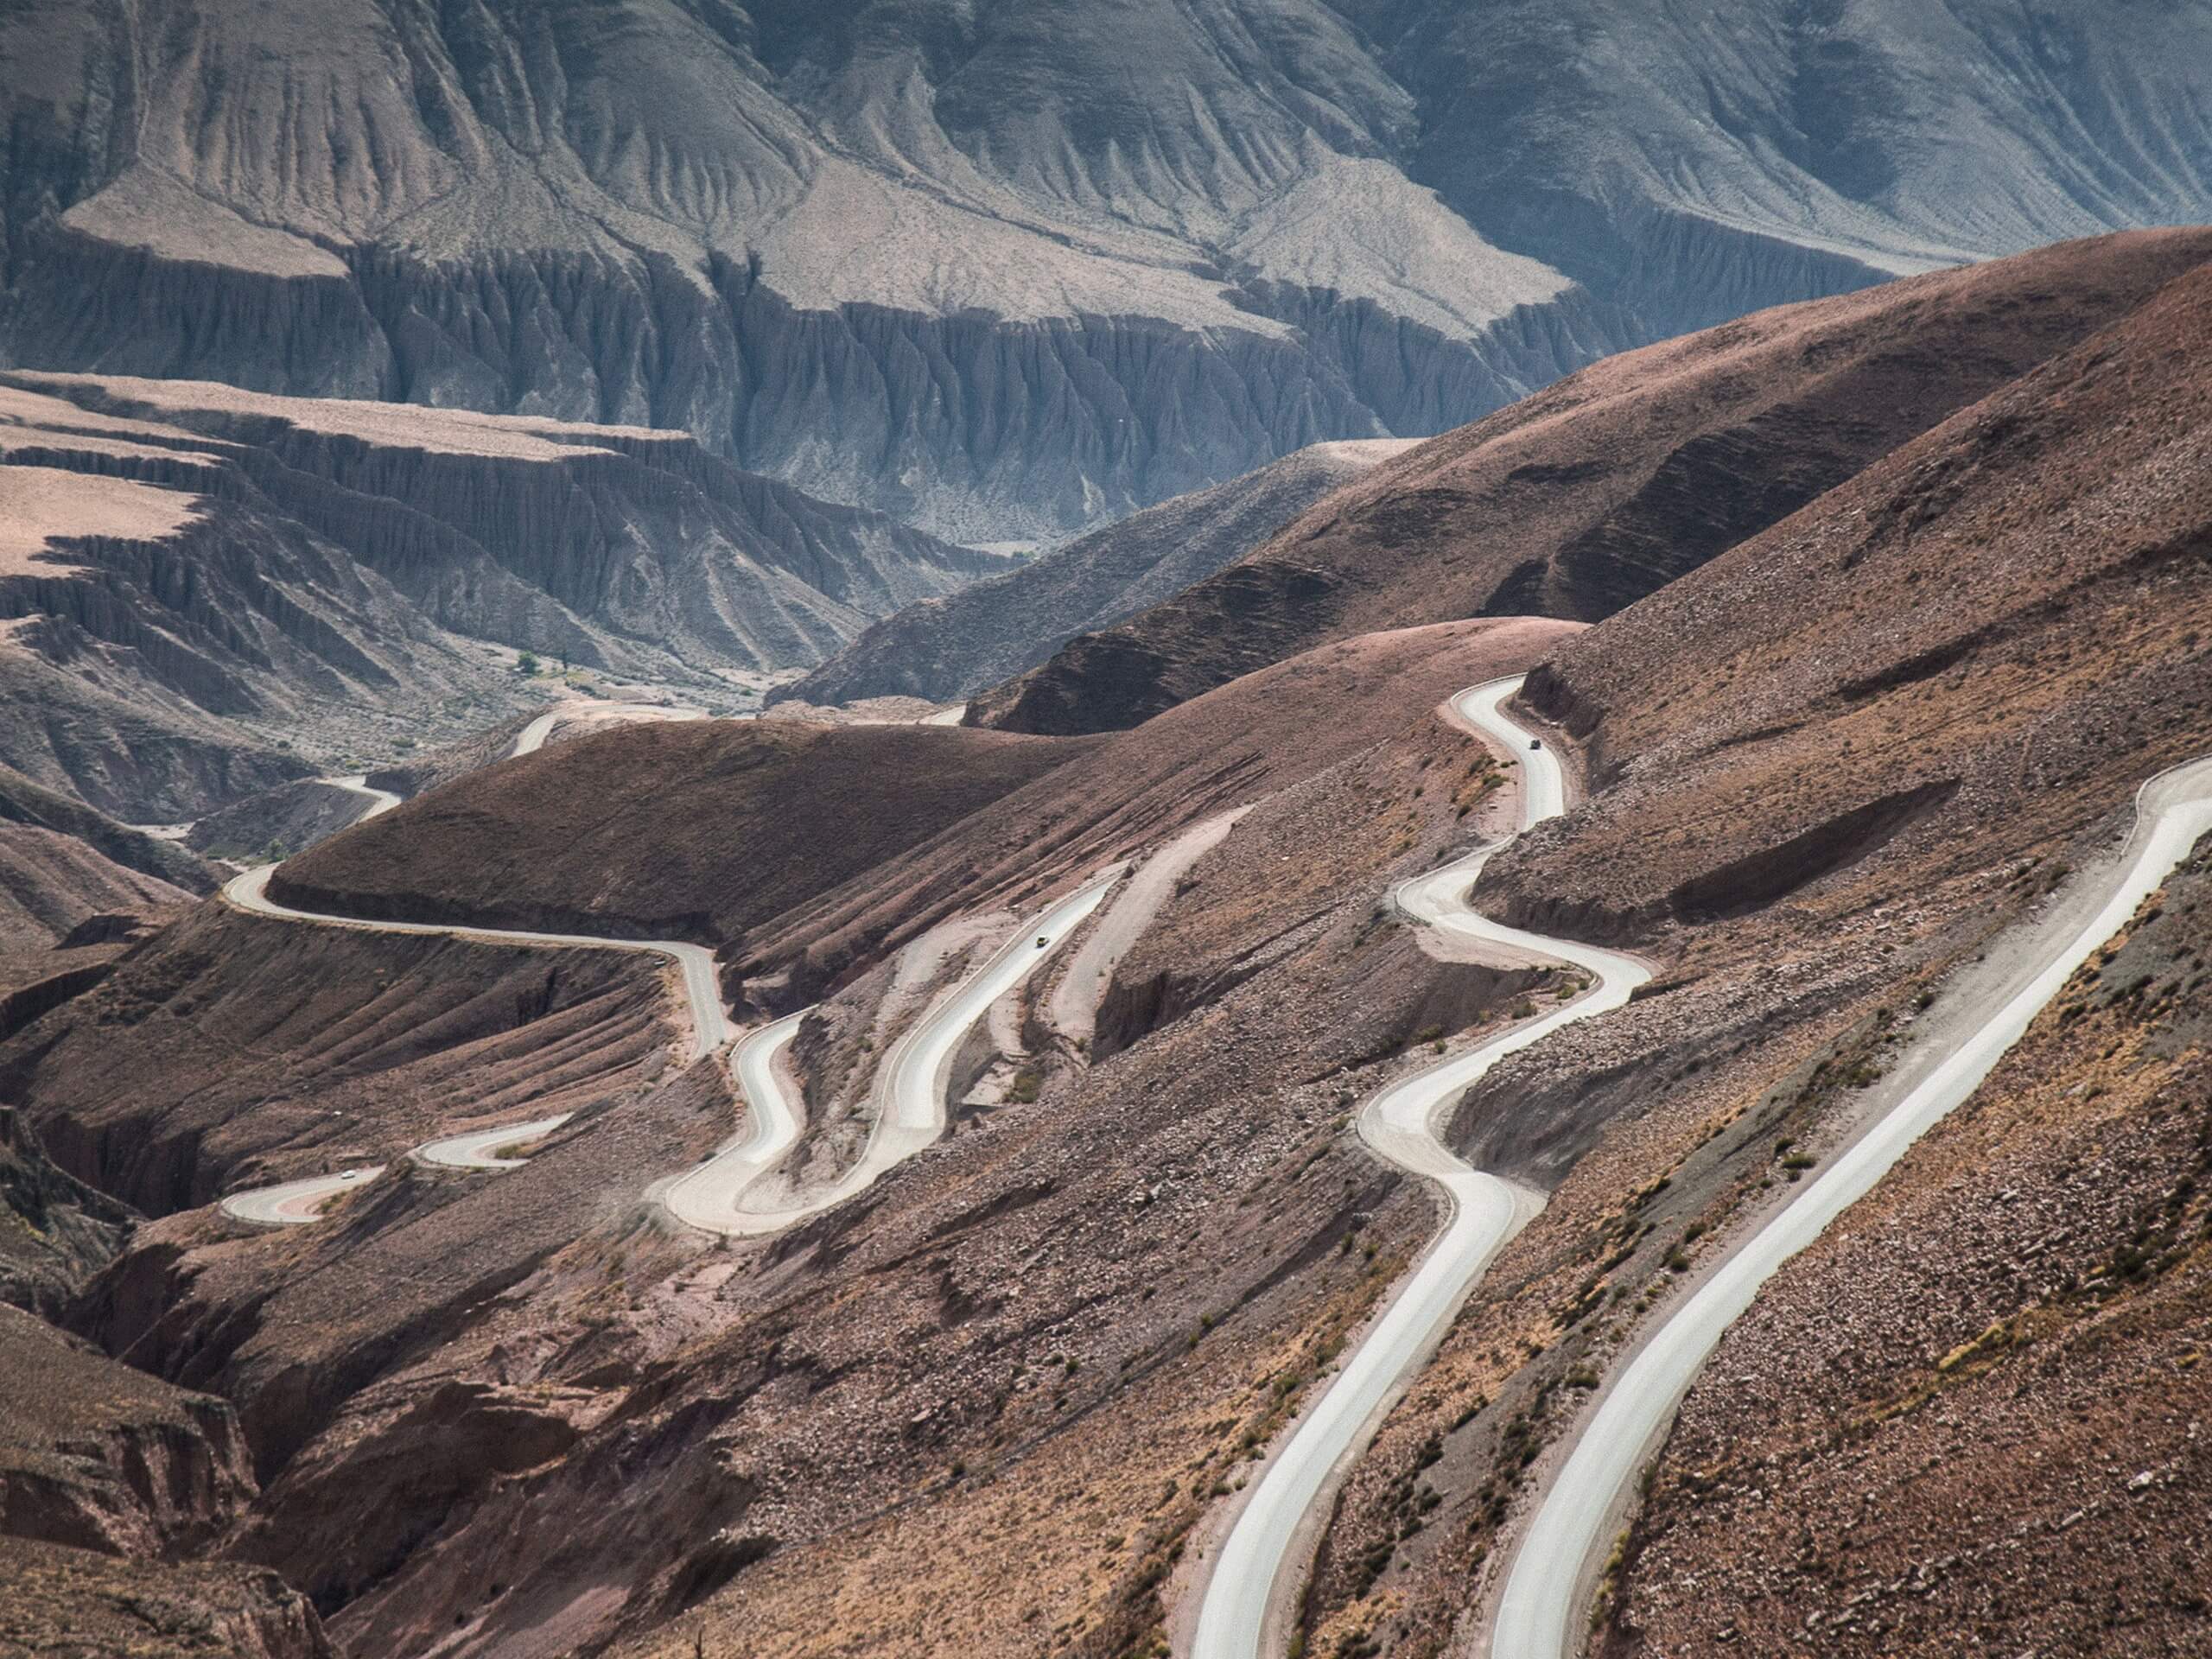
<point>233,1049</point>
<point>695,830</point>
<point>451,1362</point>
<point>1586,497</point>
<point>1829,767</point>
<point>1244,743</point>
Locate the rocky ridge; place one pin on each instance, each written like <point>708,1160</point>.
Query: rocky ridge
<point>1008,272</point>
<point>204,588</point>
<point>1586,497</point>
<point>948,650</point>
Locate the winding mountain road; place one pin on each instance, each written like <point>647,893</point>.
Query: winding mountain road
<point>1251,1592</point>
<point>295,1202</point>
<point>480,1148</point>
<point>532,737</point>
<point>1544,1609</point>
<point>911,1097</point>
<point>910,1113</point>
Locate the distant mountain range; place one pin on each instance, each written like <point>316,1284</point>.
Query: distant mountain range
<point>195,579</point>
<point>1008,270</point>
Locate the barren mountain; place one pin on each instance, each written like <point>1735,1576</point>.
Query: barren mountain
<point>198,579</point>
<point>104,1471</point>
<point>1029,1369</point>
<point>1586,497</point>
<point>1828,770</point>
<point>1009,269</point>
<point>633,831</point>
<point>946,649</point>
<point>475,1315</point>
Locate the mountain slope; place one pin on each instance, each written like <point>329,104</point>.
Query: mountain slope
<point>196,577</point>
<point>1590,495</point>
<point>1009,269</point>
<point>809,806</point>
<point>949,648</point>
<point>1828,769</point>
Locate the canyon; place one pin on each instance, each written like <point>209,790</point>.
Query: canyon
<point>209,593</point>
<point>1007,272</point>
<point>979,830</point>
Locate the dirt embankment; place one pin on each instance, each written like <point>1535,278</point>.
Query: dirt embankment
<point>1585,497</point>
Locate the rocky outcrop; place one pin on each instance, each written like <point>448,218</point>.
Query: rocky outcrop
<point>97,1456</point>
<point>76,1600</point>
<point>445,1451</point>
<point>55,1232</point>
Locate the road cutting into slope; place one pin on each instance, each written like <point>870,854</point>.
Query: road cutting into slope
<point>1249,1596</point>
<point>532,737</point>
<point>380,801</point>
<point>911,1102</point>
<point>295,1202</point>
<point>1543,1612</point>
<point>481,1148</point>
<point>911,1113</point>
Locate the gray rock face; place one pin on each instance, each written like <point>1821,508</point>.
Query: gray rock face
<point>55,1232</point>
<point>1012,268</point>
<point>948,649</point>
<point>195,579</point>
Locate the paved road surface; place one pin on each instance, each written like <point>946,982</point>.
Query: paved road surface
<point>708,1197</point>
<point>1544,1610</point>
<point>1252,1591</point>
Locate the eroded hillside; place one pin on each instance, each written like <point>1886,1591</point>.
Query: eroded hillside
<point>1007,1398</point>
<point>1581,500</point>
<point>1009,269</point>
<point>204,588</point>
